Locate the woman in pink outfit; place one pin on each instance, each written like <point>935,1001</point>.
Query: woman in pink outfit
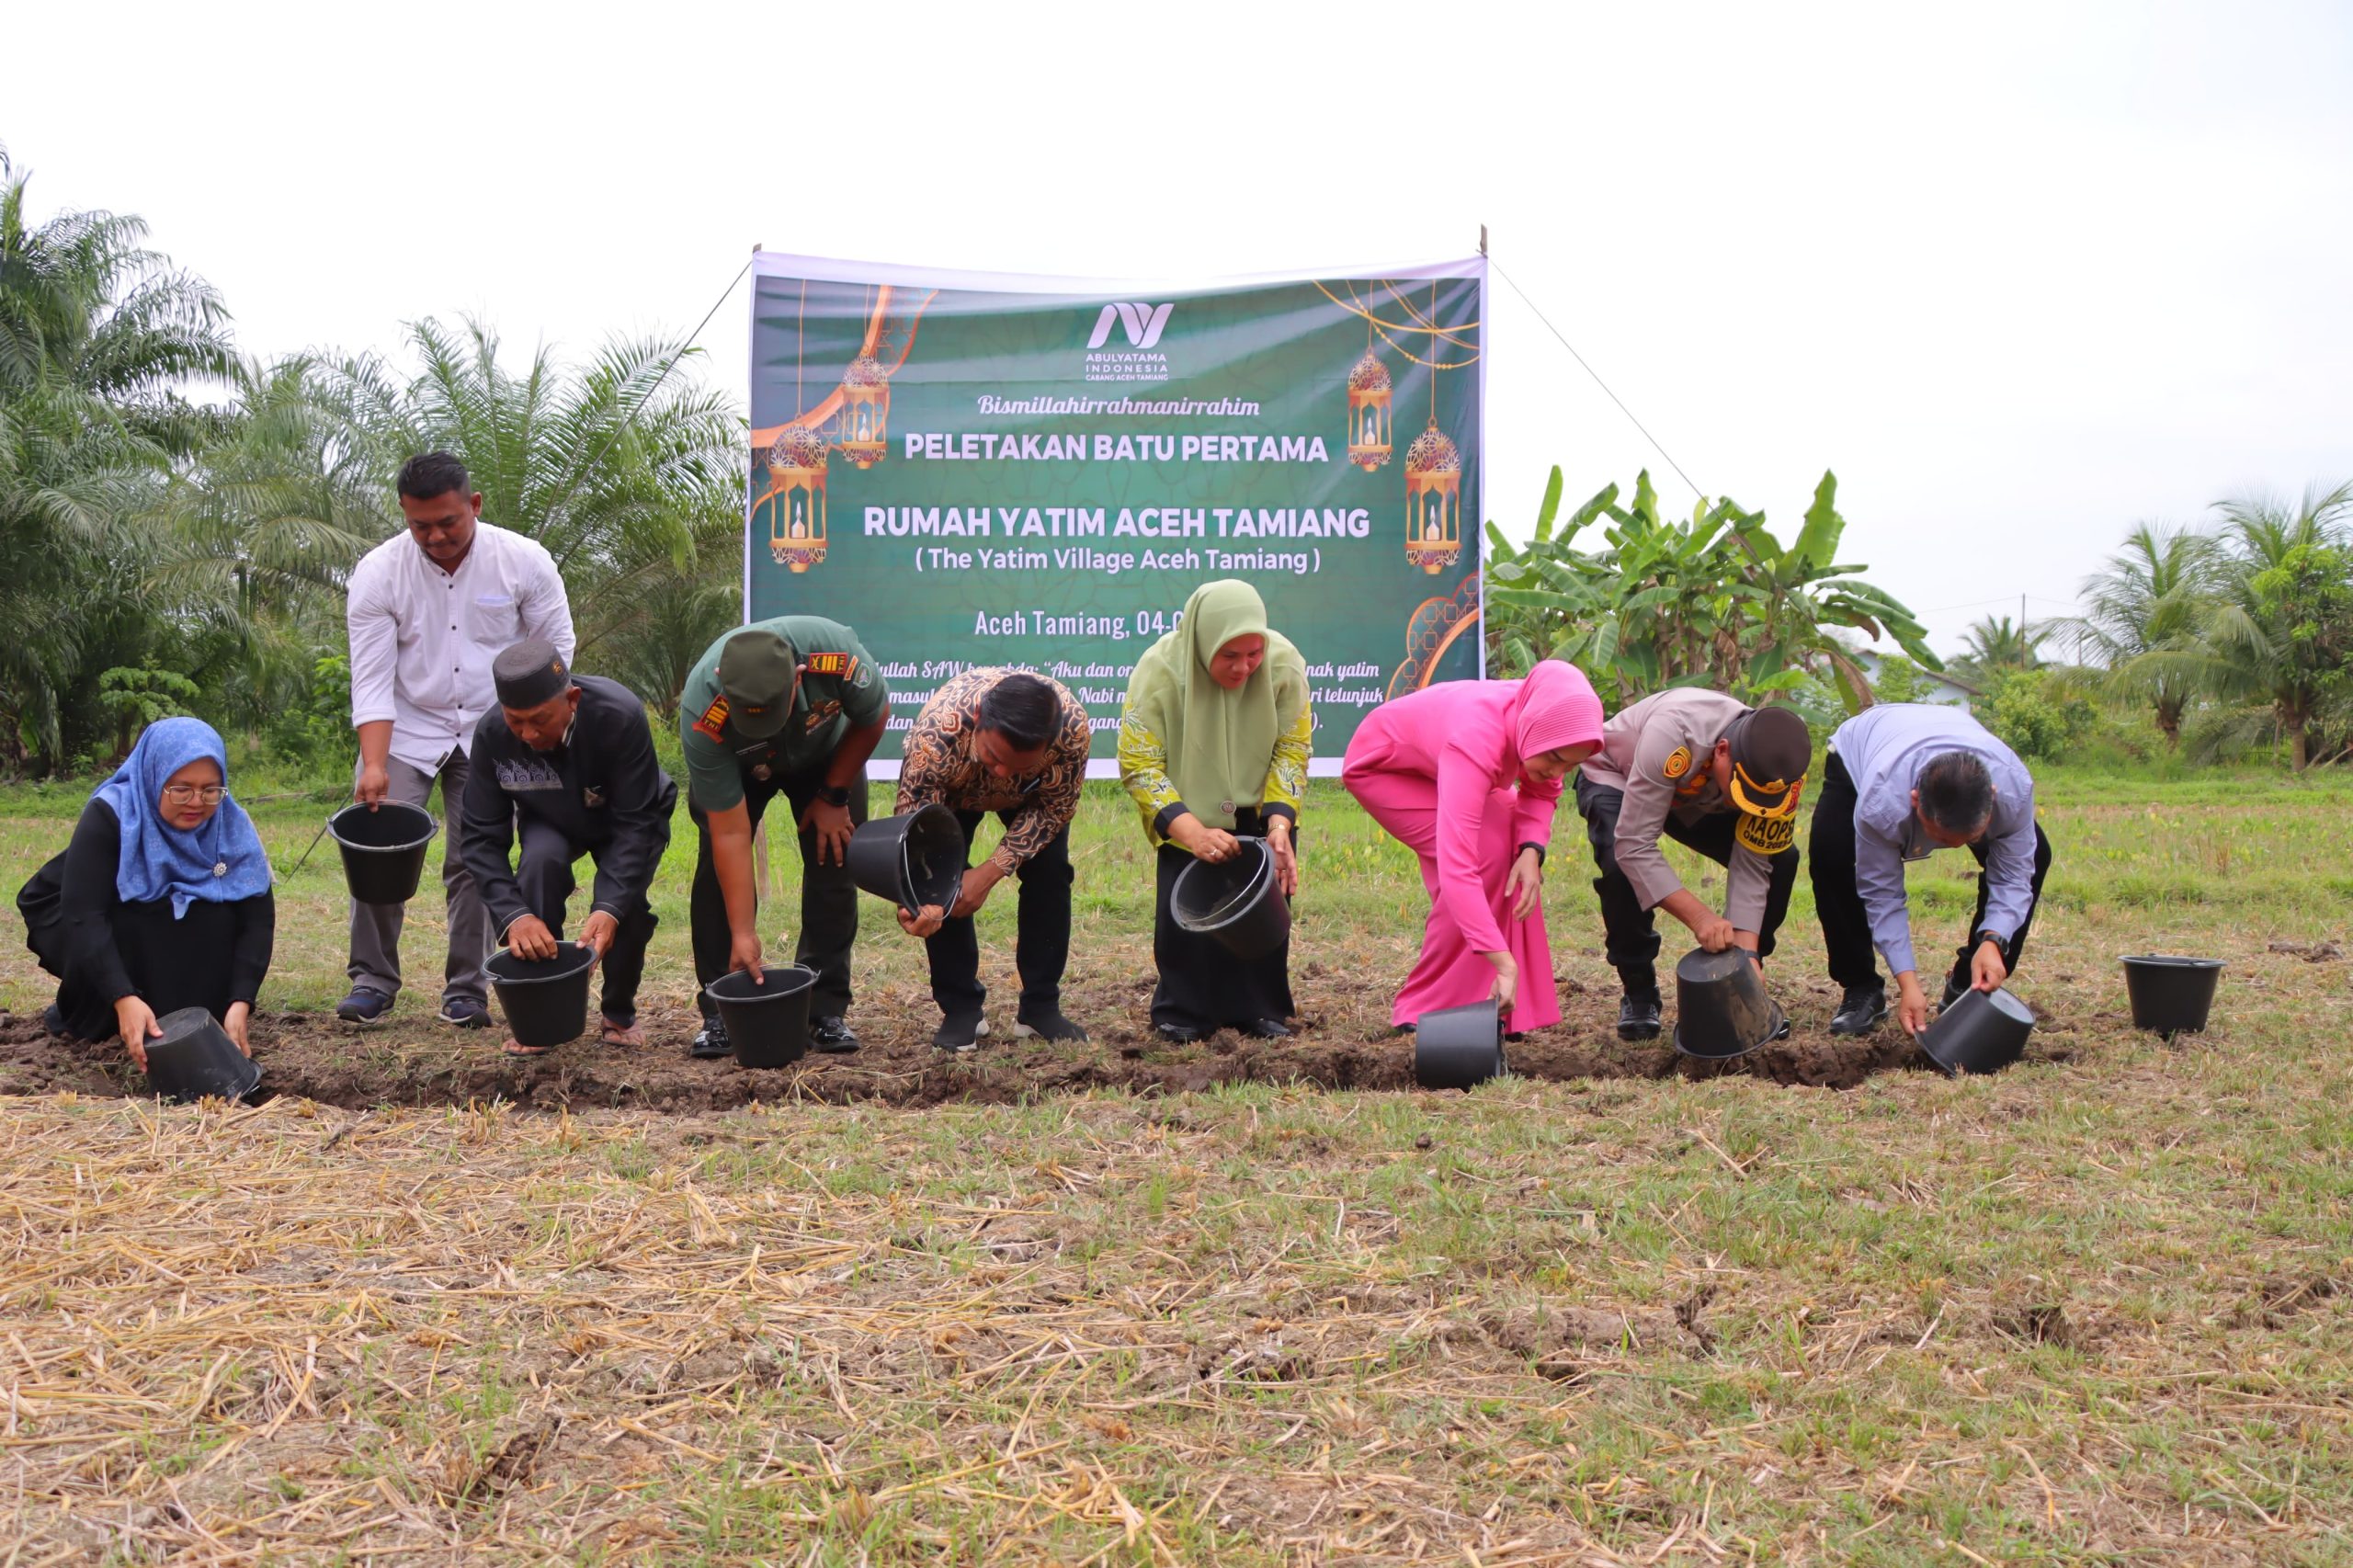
<point>1466,774</point>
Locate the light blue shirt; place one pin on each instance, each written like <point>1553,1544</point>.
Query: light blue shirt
<point>1883,749</point>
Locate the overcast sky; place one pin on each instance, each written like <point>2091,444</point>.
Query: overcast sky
<point>2020,275</point>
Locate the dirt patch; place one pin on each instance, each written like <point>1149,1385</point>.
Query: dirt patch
<point>425,1064</point>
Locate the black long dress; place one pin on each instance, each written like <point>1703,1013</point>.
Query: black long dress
<point>102,949</point>
<point>1203,986</point>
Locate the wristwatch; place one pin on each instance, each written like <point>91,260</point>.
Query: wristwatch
<point>833,795</point>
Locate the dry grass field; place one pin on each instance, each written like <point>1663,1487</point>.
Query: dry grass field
<point>1123,1306</point>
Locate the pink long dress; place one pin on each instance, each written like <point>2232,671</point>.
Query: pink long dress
<point>1439,769</point>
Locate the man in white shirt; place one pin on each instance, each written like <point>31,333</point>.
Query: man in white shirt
<point>427,612</point>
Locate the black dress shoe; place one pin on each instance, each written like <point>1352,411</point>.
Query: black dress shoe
<point>831,1034</point>
<point>1954,990</point>
<point>1861,1010</point>
<point>1638,1015</point>
<point>712,1041</point>
<point>1265,1028</point>
<point>1048,1026</point>
<point>1177,1034</point>
<point>962,1034</point>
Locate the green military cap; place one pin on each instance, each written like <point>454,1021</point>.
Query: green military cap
<point>756,672</point>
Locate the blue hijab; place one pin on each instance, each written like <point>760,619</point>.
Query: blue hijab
<point>219,862</point>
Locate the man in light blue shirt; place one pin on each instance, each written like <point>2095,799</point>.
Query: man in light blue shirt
<point>1904,779</point>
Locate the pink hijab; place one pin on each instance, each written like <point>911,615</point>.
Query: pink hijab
<point>1557,708</point>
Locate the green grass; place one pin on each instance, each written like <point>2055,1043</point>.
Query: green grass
<point>2254,844</point>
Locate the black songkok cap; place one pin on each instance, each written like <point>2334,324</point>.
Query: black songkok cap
<point>529,673</point>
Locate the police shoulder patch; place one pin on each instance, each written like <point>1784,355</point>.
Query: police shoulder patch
<point>1678,763</point>
<point>830,663</point>
<point>1767,836</point>
<point>713,722</point>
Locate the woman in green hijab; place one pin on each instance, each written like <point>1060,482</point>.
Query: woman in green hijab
<point>1213,745</point>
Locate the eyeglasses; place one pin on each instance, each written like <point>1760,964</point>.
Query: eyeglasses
<point>188,794</point>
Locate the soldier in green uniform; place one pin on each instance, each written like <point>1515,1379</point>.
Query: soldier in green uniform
<point>792,706</point>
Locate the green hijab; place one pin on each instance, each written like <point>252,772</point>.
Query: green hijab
<point>1221,744</point>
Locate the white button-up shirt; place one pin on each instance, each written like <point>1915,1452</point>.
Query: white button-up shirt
<point>422,639</point>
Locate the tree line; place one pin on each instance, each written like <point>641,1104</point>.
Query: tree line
<point>176,519</point>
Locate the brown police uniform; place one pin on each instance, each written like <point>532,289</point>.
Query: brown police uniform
<point>1653,777</point>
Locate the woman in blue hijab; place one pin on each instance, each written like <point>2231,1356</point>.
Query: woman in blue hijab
<point>160,901</point>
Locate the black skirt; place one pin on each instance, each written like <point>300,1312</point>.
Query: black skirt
<point>1202,986</point>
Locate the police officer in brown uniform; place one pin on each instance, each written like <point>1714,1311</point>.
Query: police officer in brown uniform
<point>1715,775</point>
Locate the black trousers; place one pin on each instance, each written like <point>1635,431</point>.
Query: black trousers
<point>543,870</point>
<point>1846,927</point>
<point>1632,930</point>
<point>1202,986</point>
<point>829,898</point>
<point>1041,939</point>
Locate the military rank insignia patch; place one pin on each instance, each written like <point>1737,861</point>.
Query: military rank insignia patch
<point>1678,763</point>
<point>713,722</point>
<point>1767,836</point>
<point>830,663</point>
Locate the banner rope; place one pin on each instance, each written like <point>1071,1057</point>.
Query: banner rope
<point>1597,380</point>
<point>629,420</point>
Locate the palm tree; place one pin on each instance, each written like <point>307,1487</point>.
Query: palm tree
<point>1994,644</point>
<point>630,475</point>
<point>2151,599</point>
<point>254,538</point>
<point>2279,640</point>
<point>98,337</point>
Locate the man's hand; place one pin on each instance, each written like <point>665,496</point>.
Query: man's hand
<point>530,938</point>
<point>1202,841</point>
<point>1986,969</point>
<point>596,932</point>
<point>1286,859</point>
<point>375,783</point>
<point>135,1022</point>
<point>924,922</point>
<point>1524,887</point>
<point>1506,979</point>
<point>1911,1003</point>
<point>833,827</point>
<point>974,891</point>
<point>235,1023</point>
<point>1714,932</point>
<point>744,953</point>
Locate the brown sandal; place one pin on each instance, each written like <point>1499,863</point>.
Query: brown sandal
<point>621,1036</point>
<point>516,1048</point>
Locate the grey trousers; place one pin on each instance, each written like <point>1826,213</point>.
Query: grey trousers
<point>376,928</point>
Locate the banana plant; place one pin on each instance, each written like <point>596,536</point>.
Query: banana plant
<point>1716,600</point>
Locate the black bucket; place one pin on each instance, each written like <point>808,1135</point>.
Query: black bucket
<point>1983,1031</point>
<point>383,850</point>
<point>2171,995</point>
<point>912,861</point>
<point>767,1023</point>
<point>545,1000</point>
<point>1236,901</point>
<point>1457,1047</point>
<point>1721,1008</point>
<point>195,1057</point>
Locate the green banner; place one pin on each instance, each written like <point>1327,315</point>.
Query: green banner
<point>992,470</point>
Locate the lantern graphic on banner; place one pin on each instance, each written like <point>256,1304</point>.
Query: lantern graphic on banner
<point>1433,501</point>
<point>796,498</point>
<point>865,411</point>
<point>1368,416</point>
